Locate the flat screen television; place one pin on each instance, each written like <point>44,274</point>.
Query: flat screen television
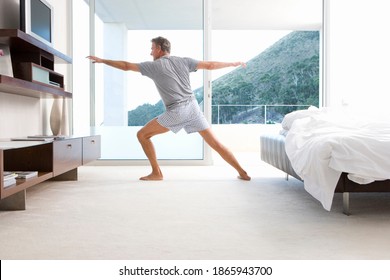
<point>36,19</point>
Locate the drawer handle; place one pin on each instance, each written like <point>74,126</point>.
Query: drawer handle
<point>69,146</point>
<point>93,141</point>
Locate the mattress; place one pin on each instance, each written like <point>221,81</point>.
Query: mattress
<point>272,151</point>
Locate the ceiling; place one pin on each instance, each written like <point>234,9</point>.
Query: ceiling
<point>226,14</point>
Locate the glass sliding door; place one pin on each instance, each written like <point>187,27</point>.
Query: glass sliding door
<point>125,101</point>
<point>282,75</point>
<point>281,42</point>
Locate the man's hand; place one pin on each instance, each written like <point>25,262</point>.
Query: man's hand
<point>119,64</point>
<point>239,63</point>
<point>213,65</point>
<point>95,59</point>
<point>1,52</point>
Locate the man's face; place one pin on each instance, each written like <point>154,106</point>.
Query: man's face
<point>156,51</point>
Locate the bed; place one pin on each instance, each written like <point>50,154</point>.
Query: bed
<point>332,150</point>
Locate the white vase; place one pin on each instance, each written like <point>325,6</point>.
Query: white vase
<point>56,116</point>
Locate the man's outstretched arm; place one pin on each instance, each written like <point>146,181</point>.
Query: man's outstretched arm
<point>213,65</point>
<point>122,65</point>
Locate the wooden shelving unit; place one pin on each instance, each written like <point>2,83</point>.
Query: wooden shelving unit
<point>56,160</point>
<point>21,87</point>
<point>26,49</point>
<point>34,76</point>
<point>20,41</point>
<point>22,184</point>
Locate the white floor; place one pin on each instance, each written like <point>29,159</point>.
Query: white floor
<point>196,213</point>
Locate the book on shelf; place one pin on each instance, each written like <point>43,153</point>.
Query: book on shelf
<point>25,174</point>
<point>9,175</point>
<point>9,179</point>
<point>9,182</point>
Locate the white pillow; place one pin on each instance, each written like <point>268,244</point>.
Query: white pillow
<point>299,114</point>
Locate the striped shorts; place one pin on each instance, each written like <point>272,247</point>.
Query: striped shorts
<point>186,115</point>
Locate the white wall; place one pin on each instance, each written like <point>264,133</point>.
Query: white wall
<point>358,53</point>
<point>9,14</point>
<point>19,115</point>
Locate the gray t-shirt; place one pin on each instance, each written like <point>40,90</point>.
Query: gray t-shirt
<point>171,74</point>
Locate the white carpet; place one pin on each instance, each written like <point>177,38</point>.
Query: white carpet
<point>197,212</point>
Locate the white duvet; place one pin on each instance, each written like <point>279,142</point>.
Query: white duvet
<point>322,143</point>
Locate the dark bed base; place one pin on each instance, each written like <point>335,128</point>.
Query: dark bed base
<point>346,186</point>
<point>272,151</point>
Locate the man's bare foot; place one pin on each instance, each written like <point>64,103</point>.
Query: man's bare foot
<point>244,176</point>
<point>152,177</point>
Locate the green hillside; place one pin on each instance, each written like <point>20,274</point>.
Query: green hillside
<point>285,73</point>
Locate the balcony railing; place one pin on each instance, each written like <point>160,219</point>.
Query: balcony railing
<point>252,114</point>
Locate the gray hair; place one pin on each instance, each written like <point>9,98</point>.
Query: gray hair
<point>164,44</point>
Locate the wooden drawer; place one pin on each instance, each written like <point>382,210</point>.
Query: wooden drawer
<point>91,148</point>
<point>67,155</point>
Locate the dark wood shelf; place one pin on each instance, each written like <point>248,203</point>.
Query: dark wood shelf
<point>22,184</point>
<point>25,49</point>
<point>31,89</point>
<point>54,160</point>
<point>20,41</point>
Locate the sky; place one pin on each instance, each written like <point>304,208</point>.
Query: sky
<point>227,45</point>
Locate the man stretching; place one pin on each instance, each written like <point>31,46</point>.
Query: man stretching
<point>171,75</point>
